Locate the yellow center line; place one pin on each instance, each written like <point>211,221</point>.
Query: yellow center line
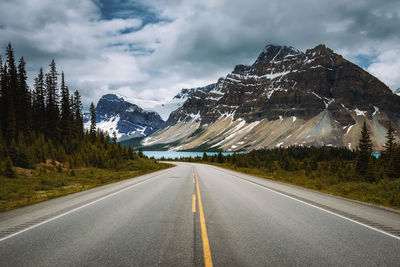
<point>194,203</point>
<point>206,244</point>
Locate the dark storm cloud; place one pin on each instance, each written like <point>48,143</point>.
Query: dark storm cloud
<point>149,49</point>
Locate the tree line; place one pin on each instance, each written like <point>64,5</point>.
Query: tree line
<point>336,164</point>
<point>47,122</point>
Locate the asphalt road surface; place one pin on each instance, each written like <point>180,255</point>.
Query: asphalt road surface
<point>196,215</point>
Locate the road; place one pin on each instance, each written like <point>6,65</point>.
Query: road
<point>196,215</point>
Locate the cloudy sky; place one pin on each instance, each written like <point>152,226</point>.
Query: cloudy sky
<point>148,50</point>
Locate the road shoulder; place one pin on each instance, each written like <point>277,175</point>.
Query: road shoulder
<point>22,218</point>
<point>382,218</point>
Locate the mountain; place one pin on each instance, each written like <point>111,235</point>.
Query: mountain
<point>286,97</point>
<point>128,120</point>
<point>177,101</point>
<point>397,91</point>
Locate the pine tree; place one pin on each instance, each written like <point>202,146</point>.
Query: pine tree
<point>220,158</point>
<point>390,141</point>
<point>114,137</point>
<point>4,99</point>
<point>78,118</point>
<point>10,94</point>
<point>1,97</point>
<point>140,152</point>
<point>52,111</point>
<point>23,104</point>
<point>205,157</point>
<point>12,79</point>
<point>66,116</point>
<point>39,105</point>
<point>92,121</point>
<point>364,151</point>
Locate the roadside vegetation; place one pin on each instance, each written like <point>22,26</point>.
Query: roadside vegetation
<point>339,171</point>
<point>45,151</point>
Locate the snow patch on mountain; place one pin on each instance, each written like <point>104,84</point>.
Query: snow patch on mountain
<point>164,110</point>
<point>115,115</point>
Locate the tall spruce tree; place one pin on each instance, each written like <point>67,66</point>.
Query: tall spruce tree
<point>66,116</point>
<point>390,142</point>
<point>364,151</point>
<point>220,157</point>
<point>4,99</point>
<point>52,110</point>
<point>92,121</point>
<point>11,94</point>
<point>39,104</point>
<point>1,97</point>
<point>78,118</point>
<point>23,104</point>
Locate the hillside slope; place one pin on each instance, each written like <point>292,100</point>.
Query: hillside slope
<point>285,98</point>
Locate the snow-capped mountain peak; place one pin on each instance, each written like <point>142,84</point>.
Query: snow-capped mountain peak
<point>127,120</point>
<point>285,98</point>
<point>177,101</point>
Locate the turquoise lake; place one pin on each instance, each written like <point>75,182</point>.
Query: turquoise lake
<point>181,154</point>
<point>178,154</point>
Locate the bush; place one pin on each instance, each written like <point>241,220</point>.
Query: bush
<point>8,168</point>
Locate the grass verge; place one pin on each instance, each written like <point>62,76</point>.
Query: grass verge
<point>384,193</point>
<point>52,180</point>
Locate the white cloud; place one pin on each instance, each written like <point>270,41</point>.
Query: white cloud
<point>193,42</point>
<point>387,68</point>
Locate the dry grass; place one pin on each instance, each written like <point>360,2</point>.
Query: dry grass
<point>52,179</point>
<point>384,193</point>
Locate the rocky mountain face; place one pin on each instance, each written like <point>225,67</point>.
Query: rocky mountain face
<point>128,120</point>
<point>177,101</point>
<point>286,97</point>
<point>397,91</point>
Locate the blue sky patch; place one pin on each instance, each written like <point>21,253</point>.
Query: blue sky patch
<point>126,9</point>
<point>364,61</point>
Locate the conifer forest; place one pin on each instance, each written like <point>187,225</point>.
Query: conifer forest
<point>43,143</point>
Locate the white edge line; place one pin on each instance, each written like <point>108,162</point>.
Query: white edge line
<point>328,211</point>
<point>78,208</point>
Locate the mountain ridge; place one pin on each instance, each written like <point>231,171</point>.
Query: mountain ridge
<point>318,88</point>
<point>115,114</point>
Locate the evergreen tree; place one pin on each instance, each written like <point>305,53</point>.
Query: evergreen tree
<point>78,118</point>
<point>114,137</point>
<point>66,116</point>
<point>205,157</point>
<point>2,100</point>
<point>39,105</point>
<point>23,110</point>
<point>220,158</point>
<point>52,111</point>
<point>389,145</point>
<point>12,76</point>
<point>10,94</point>
<point>5,99</point>
<point>140,152</point>
<point>364,151</point>
<point>92,121</point>
<point>1,97</point>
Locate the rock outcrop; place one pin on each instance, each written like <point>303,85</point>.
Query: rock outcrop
<point>318,88</point>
